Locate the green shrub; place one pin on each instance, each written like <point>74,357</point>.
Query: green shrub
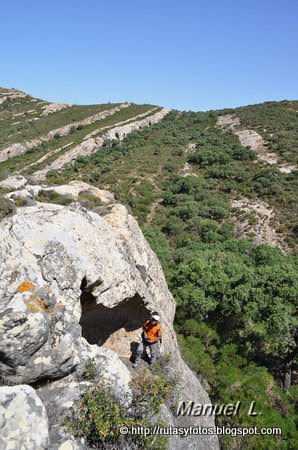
<point>6,207</point>
<point>196,356</point>
<point>173,226</point>
<point>159,245</point>
<point>89,370</point>
<point>52,173</point>
<point>89,200</point>
<point>98,417</point>
<point>20,202</point>
<point>53,197</point>
<point>4,174</point>
<point>149,392</point>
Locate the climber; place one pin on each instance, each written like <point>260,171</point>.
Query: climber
<point>151,335</point>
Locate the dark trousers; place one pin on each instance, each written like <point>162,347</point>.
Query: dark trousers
<point>152,348</point>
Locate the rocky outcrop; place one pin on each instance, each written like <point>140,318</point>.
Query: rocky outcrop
<point>61,270</point>
<point>46,156</point>
<point>252,139</point>
<point>186,170</point>
<point>190,147</point>
<point>23,419</point>
<point>123,122</point>
<point>73,190</point>
<point>20,148</point>
<point>228,121</point>
<point>13,182</point>
<point>263,229</point>
<point>91,145</point>
<point>11,94</point>
<point>53,107</point>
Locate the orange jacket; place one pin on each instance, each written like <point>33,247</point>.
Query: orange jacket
<point>153,331</point>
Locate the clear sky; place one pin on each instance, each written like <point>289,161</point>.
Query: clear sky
<point>184,54</point>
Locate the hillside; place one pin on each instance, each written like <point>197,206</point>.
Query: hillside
<point>38,138</point>
<point>215,194</point>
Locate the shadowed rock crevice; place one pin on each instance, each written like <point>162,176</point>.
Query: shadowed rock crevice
<point>115,328</point>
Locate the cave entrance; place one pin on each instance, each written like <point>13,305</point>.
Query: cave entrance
<point>118,328</point>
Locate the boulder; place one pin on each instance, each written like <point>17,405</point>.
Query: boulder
<point>13,182</point>
<point>23,419</point>
<point>74,188</point>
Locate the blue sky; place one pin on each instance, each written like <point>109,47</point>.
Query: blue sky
<point>184,54</point>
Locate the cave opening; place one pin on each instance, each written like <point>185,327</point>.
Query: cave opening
<point>118,328</point>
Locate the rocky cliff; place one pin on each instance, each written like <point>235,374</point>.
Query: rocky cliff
<point>77,284</point>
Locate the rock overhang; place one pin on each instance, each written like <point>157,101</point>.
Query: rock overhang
<point>56,247</point>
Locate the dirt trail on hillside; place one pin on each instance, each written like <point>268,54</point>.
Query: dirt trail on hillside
<point>20,148</point>
<point>252,139</point>
<point>152,212</point>
<point>91,145</point>
<point>261,230</point>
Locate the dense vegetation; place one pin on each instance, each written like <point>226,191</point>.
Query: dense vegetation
<point>98,417</point>
<point>236,324</point>
<point>277,122</point>
<point>236,302</point>
<point>137,170</point>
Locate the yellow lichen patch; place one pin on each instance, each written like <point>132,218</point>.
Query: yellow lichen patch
<point>32,306</point>
<point>37,304</point>
<point>40,302</point>
<point>59,305</point>
<point>26,286</point>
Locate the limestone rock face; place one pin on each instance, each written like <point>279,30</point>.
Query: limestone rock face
<point>13,182</point>
<point>77,285</point>
<point>23,419</point>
